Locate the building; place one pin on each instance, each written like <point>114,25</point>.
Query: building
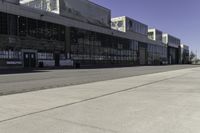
<point>155,34</point>
<point>184,54</point>
<point>126,24</point>
<point>47,33</point>
<point>160,55</point>
<point>173,46</point>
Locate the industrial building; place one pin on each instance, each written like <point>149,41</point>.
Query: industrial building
<point>47,33</point>
<point>157,35</point>
<point>173,48</point>
<point>184,54</point>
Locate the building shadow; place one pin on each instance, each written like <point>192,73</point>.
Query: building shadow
<point>20,71</point>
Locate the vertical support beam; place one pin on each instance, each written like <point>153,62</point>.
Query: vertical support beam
<point>67,42</point>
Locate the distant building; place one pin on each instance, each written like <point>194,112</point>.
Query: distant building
<point>155,34</point>
<point>147,52</point>
<point>184,54</point>
<point>173,44</point>
<point>161,53</point>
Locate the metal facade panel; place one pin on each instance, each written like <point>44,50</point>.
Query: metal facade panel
<point>46,5</point>
<point>86,11</point>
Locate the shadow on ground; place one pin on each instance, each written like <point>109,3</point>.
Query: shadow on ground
<point>20,71</point>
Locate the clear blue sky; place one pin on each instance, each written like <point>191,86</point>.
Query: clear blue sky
<point>180,18</point>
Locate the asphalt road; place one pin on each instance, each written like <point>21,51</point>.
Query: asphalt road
<point>45,79</point>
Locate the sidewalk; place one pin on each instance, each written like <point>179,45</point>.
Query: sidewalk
<point>154,103</point>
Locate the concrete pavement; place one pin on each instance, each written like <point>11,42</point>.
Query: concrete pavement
<point>167,102</point>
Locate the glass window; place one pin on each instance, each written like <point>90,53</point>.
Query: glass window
<point>12,24</point>
<point>22,26</point>
<point>3,23</point>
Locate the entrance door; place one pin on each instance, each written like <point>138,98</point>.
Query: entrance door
<point>57,59</point>
<point>32,60</point>
<point>29,60</point>
<point>142,56</point>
